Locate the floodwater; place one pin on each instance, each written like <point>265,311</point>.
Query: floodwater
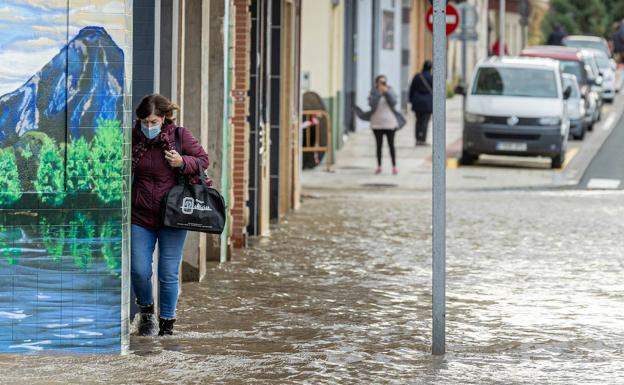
<point>340,294</point>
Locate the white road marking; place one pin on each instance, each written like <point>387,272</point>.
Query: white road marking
<point>609,122</point>
<point>603,184</point>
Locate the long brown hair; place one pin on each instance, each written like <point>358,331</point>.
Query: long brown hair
<point>158,105</point>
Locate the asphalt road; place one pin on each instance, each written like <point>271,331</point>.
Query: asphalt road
<point>606,170</point>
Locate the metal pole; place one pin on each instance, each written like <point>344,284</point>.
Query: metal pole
<point>501,37</point>
<point>226,158</point>
<point>463,42</point>
<point>439,177</point>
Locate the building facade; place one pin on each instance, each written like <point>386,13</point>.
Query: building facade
<point>264,115</point>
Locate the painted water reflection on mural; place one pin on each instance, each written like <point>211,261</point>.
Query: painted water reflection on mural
<point>60,286</point>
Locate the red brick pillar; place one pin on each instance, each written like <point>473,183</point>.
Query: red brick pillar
<point>239,121</point>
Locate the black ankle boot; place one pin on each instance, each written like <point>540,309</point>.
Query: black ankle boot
<point>166,326</point>
<point>147,325</point>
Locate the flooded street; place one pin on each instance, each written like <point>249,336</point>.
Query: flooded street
<point>341,293</point>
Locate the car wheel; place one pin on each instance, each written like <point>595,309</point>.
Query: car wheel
<point>467,158</point>
<point>590,127</point>
<point>580,135</point>
<point>557,161</point>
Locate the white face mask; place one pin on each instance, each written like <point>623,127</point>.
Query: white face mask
<point>150,132</point>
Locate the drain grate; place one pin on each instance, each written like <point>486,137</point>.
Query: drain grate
<point>379,185</point>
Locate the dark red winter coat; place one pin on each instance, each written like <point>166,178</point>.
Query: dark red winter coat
<point>153,177</point>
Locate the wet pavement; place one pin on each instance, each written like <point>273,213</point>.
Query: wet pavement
<point>340,294</point>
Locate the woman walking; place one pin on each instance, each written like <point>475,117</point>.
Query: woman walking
<point>156,166</point>
<point>421,98</point>
<point>384,119</point>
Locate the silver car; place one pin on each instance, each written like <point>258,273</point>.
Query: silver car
<point>575,107</point>
<point>607,73</point>
<point>587,42</point>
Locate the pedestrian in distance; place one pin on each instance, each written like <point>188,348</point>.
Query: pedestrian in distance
<point>495,50</point>
<point>421,99</point>
<point>618,42</point>
<point>156,168</point>
<point>384,119</point>
<point>556,36</point>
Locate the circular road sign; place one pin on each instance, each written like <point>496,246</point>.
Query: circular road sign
<point>452,19</point>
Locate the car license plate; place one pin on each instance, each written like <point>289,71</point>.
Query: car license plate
<point>511,146</point>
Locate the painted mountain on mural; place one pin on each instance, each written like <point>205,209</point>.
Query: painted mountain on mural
<point>81,84</point>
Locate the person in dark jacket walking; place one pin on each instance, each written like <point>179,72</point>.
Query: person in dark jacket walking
<point>384,118</point>
<point>556,36</point>
<point>421,98</point>
<point>618,42</point>
<point>156,166</point>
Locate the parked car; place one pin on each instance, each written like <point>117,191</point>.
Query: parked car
<point>595,81</point>
<point>607,73</point>
<point>588,42</point>
<point>575,107</point>
<point>516,106</point>
<point>573,62</point>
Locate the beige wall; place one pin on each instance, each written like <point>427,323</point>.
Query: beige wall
<point>322,42</point>
<point>421,42</point>
<point>475,50</point>
<point>539,8</point>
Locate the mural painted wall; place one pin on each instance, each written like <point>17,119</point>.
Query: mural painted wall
<point>64,173</point>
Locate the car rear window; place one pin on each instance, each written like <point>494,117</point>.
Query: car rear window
<point>574,68</point>
<point>602,60</point>
<point>522,82</point>
<point>574,87</point>
<point>585,44</point>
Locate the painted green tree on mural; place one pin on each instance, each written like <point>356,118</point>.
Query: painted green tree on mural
<point>111,250</point>
<point>7,238</point>
<point>107,161</point>
<point>78,167</point>
<point>10,189</point>
<point>53,239</point>
<point>50,183</point>
<point>81,231</point>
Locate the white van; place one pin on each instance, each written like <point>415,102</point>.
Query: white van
<point>516,106</point>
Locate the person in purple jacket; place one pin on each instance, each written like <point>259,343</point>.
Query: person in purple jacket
<point>156,166</point>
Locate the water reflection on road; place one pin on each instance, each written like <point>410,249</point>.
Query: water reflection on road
<point>341,294</point>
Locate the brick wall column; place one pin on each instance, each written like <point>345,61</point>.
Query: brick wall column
<point>239,121</point>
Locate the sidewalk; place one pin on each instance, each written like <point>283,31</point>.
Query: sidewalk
<point>356,161</point>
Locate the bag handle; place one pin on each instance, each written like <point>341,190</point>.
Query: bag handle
<point>200,169</point>
<point>425,83</point>
<point>178,147</point>
<point>200,172</point>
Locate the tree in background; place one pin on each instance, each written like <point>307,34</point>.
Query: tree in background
<point>579,17</point>
<point>10,189</point>
<point>78,166</point>
<point>50,183</point>
<point>615,8</point>
<point>107,161</point>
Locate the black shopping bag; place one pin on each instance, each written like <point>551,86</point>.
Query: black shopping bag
<point>194,207</point>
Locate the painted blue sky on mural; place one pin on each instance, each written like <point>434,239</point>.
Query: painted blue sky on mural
<point>28,40</point>
<point>85,78</point>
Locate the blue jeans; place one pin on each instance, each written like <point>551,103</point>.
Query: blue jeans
<point>170,245</point>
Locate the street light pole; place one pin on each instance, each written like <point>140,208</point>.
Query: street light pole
<point>463,44</point>
<point>501,38</point>
<point>439,178</point>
